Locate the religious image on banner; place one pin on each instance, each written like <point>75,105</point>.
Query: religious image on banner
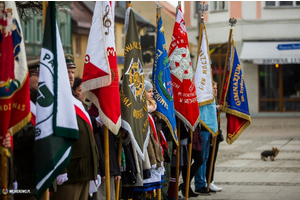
<point>134,110</point>
<point>100,80</point>
<point>56,122</point>
<point>162,83</point>
<point>14,78</point>
<point>204,87</point>
<point>184,90</point>
<point>234,99</point>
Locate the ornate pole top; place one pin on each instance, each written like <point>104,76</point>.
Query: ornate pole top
<point>232,21</point>
<point>202,10</point>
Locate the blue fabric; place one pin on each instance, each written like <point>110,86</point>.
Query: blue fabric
<point>162,82</point>
<point>208,115</point>
<point>201,173</point>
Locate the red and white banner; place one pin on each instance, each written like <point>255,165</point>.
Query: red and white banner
<point>184,90</point>
<point>14,78</point>
<point>100,80</point>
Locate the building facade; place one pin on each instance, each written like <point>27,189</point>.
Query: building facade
<point>267,37</point>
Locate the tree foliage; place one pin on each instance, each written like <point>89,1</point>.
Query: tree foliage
<point>28,9</point>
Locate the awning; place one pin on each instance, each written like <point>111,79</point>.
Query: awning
<point>271,52</point>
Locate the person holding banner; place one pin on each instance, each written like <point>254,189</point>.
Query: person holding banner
<point>73,182</point>
<point>220,138</point>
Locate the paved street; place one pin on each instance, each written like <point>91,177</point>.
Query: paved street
<point>243,175</point>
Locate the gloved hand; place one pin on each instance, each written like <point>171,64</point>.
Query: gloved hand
<point>98,181</point>
<point>153,166</point>
<point>61,178</point>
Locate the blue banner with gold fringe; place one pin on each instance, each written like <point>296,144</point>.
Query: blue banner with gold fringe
<point>161,78</point>
<point>234,99</point>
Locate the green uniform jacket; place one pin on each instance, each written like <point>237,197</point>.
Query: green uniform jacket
<point>84,162</point>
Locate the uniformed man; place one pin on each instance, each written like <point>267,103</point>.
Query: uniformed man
<point>73,183</point>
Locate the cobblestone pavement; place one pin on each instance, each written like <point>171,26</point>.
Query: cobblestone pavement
<point>243,175</point>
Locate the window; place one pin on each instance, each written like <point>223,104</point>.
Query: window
<point>218,5</point>
<point>123,38</point>
<point>26,32</point>
<point>282,3</point>
<point>62,31</point>
<point>78,49</point>
<point>279,88</point>
<point>39,31</point>
<point>217,57</point>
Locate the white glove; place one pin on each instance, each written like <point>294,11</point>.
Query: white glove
<point>94,184</point>
<point>61,178</point>
<point>153,166</point>
<point>98,181</point>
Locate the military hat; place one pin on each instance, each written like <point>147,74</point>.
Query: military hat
<point>70,61</point>
<point>33,66</point>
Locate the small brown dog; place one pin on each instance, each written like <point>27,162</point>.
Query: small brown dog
<point>272,153</point>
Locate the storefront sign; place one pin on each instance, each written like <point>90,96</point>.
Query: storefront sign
<point>278,61</point>
<point>288,46</point>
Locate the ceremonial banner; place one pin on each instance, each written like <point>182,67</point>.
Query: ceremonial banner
<point>133,95</point>
<point>14,78</point>
<point>56,124</point>
<point>204,88</point>
<point>234,99</point>
<point>162,83</point>
<point>184,91</point>
<point>101,88</point>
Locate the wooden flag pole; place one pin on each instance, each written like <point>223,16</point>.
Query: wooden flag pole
<point>106,155</point>
<point>177,157</point>
<point>119,161</point>
<point>187,186</point>
<point>232,22</point>
<point>4,169</point>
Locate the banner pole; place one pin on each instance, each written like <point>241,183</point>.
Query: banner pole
<point>119,161</point>
<point>187,186</point>
<point>177,158</point>
<point>106,155</point>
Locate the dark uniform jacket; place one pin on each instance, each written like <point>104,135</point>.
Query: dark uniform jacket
<point>84,161</point>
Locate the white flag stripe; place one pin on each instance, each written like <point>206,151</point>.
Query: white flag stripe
<point>66,154</point>
<point>64,93</point>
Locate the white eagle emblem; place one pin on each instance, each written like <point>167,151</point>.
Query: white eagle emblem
<point>180,62</point>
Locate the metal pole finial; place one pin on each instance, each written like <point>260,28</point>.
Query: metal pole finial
<point>202,9</point>
<point>232,21</point>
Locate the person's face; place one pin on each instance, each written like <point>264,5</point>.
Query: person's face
<point>78,92</point>
<point>71,73</point>
<point>34,82</point>
<point>149,94</point>
<point>9,14</point>
<point>215,90</point>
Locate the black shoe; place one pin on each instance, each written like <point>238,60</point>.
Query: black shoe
<point>180,198</point>
<point>191,193</point>
<point>202,191</point>
<point>212,191</point>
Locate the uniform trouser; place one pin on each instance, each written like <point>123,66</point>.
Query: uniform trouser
<point>167,174</point>
<point>101,193</point>
<point>75,191</point>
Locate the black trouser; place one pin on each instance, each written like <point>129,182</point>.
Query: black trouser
<point>209,161</point>
<point>198,160</point>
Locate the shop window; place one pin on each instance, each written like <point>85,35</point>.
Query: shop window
<point>279,88</point>
<point>217,57</point>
